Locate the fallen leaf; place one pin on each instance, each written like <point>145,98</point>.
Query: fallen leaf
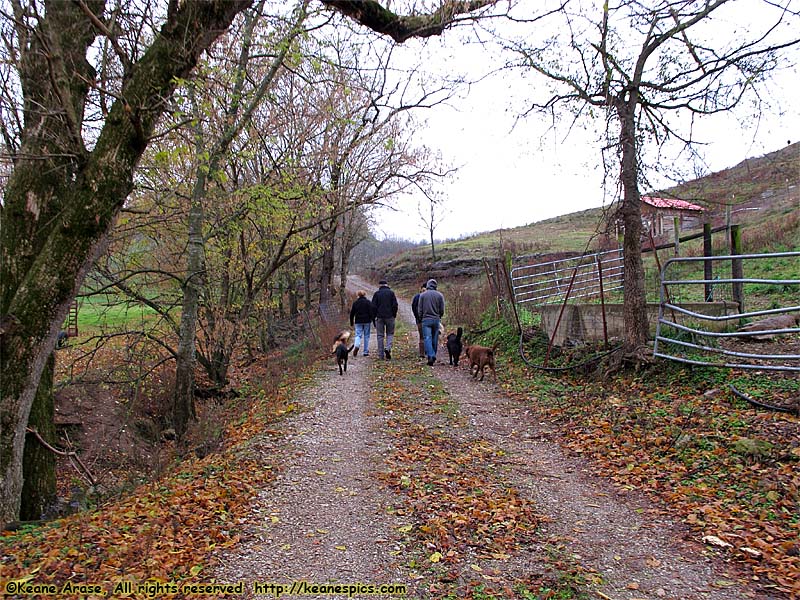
<point>752,552</point>
<point>652,561</point>
<point>716,541</point>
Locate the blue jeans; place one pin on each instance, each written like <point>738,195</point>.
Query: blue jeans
<point>430,336</point>
<point>362,331</point>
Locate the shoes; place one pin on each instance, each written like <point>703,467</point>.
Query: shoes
<point>355,352</point>
<point>365,353</point>
<point>388,354</point>
<point>431,361</point>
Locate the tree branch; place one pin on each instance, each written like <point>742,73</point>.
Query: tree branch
<point>401,28</point>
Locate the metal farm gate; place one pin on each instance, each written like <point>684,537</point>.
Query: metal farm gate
<point>763,338</point>
<point>585,276</point>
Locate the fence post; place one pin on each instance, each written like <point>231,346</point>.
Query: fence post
<point>737,270</point>
<point>676,226</point>
<point>602,301</point>
<point>506,265</point>
<point>708,270</point>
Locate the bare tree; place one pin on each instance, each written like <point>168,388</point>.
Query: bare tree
<point>643,65</point>
<point>431,212</point>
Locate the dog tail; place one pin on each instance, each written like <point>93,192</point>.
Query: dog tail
<point>342,336</point>
<point>494,348</point>
<point>459,332</point>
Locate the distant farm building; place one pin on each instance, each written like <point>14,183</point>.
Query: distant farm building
<point>659,215</point>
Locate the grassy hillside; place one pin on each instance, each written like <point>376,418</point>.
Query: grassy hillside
<point>762,194</point>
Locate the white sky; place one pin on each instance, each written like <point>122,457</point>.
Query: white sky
<point>514,175</point>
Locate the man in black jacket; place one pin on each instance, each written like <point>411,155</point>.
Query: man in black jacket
<point>384,304</point>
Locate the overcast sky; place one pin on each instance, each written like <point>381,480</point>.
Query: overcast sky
<point>516,172</point>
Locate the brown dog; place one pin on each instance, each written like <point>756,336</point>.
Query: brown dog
<point>481,357</point>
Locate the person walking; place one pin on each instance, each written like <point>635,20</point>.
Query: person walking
<point>418,319</point>
<point>431,309</point>
<point>384,307</point>
<point>361,316</point>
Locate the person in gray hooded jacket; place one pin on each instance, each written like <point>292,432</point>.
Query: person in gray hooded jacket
<point>431,310</point>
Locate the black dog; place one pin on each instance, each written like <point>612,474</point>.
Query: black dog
<point>341,350</point>
<point>454,346</point>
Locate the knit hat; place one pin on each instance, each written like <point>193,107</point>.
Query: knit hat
<point>383,282</point>
<point>431,284</point>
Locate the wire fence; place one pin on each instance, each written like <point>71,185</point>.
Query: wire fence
<point>303,326</point>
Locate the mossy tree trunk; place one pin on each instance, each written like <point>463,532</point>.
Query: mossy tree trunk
<point>39,463</point>
<point>62,199</point>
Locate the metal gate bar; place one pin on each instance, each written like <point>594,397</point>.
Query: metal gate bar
<point>767,360</point>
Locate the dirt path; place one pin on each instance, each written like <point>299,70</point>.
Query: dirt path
<point>326,518</point>
<point>633,546</point>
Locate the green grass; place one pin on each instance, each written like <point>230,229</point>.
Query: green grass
<point>108,312</point>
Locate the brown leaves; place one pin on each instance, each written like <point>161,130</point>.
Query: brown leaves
<point>463,512</point>
<point>163,531</point>
<point>662,433</point>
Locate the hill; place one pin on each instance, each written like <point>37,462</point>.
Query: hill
<point>761,193</point>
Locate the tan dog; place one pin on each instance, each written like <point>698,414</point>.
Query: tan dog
<point>481,357</point>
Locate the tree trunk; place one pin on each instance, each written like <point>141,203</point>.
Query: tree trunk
<point>634,302</point>
<point>294,300</point>
<point>39,463</point>
<point>183,409</point>
<point>307,273</point>
<point>343,268</point>
<point>326,275</point>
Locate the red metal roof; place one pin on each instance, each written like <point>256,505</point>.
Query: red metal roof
<point>671,203</point>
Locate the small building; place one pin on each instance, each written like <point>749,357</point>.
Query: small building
<point>659,215</point>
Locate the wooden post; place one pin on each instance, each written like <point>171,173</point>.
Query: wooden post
<point>506,266</point>
<point>708,270</point>
<point>676,225</point>
<point>602,301</point>
<point>737,271</point>
<point>728,220</point>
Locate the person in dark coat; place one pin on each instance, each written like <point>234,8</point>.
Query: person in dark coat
<point>418,319</point>
<point>361,316</point>
<point>384,304</point>
<point>431,309</point>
